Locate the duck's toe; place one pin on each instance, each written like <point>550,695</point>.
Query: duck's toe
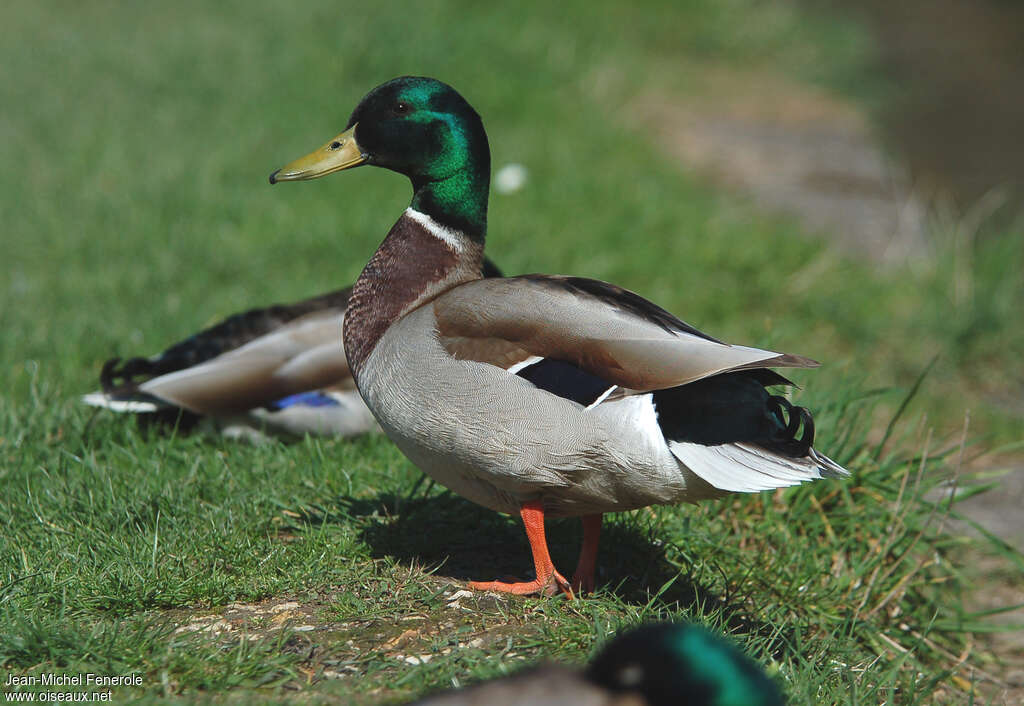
<point>549,586</point>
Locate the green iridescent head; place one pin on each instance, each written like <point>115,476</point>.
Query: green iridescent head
<point>421,128</point>
<point>685,664</point>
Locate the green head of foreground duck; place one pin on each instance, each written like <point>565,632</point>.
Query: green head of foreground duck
<point>675,663</point>
<point>539,395</point>
<point>654,665</point>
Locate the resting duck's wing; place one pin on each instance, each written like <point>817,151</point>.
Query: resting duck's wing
<point>303,355</point>
<point>281,363</point>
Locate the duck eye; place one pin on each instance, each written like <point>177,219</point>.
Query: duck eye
<point>401,108</point>
<point>335,145</point>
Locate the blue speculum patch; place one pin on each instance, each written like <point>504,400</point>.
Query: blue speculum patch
<point>306,399</point>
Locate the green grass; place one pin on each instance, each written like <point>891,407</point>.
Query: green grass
<point>135,206</point>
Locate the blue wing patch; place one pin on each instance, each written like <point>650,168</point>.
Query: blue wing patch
<point>306,399</point>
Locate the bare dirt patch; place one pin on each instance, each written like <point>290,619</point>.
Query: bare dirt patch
<point>796,150</point>
<point>958,115</point>
<point>475,625</point>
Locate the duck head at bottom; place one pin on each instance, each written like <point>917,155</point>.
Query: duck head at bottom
<point>654,665</point>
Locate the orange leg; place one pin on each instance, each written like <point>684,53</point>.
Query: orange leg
<point>548,580</point>
<point>583,579</point>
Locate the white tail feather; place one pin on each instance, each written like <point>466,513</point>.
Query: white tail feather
<point>101,399</point>
<point>744,468</point>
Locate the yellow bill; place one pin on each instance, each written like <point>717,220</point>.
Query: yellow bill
<point>342,152</point>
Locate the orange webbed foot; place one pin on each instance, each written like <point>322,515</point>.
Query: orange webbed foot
<point>554,584</point>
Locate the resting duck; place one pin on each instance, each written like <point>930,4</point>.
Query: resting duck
<point>280,369</point>
<point>654,665</point>
<point>547,396</point>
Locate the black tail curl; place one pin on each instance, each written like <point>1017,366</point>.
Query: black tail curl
<point>735,408</point>
<point>117,378</point>
<point>791,418</point>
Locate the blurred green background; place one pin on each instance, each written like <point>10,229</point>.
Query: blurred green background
<point>660,139</point>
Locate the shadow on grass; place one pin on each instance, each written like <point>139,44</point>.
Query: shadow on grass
<point>455,539</point>
<point>463,541</point>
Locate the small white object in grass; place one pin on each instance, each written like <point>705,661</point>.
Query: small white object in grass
<point>459,594</point>
<point>510,178</point>
<point>414,660</point>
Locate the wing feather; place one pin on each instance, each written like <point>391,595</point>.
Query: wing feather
<point>604,330</point>
<point>306,354</point>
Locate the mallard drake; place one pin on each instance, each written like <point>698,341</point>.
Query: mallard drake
<point>281,368</point>
<point>654,665</point>
<point>540,395</point>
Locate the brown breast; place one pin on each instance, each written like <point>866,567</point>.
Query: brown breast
<point>411,267</point>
